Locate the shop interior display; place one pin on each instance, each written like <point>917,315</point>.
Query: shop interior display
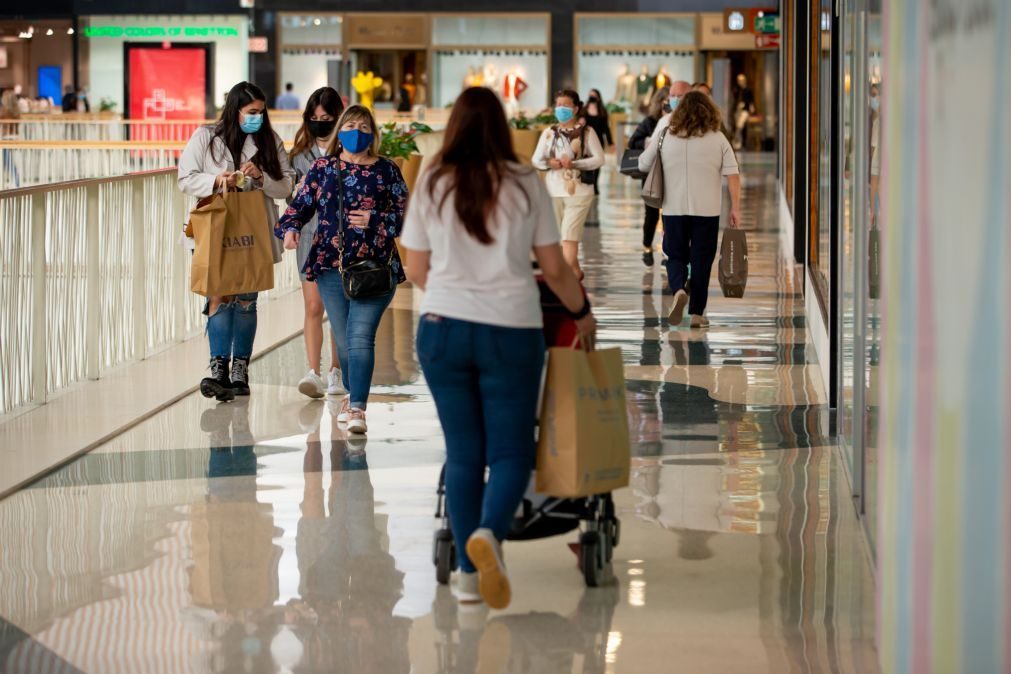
<point>514,75</point>
<point>633,75</point>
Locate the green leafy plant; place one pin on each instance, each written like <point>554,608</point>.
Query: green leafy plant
<point>521,121</point>
<point>399,139</point>
<point>106,105</point>
<point>613,108</point>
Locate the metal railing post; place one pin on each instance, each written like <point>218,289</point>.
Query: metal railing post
<point>39,317</point>
<point>139,271</point>
<point>93,284</point>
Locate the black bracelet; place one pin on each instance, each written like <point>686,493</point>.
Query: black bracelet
<point>582,313</point>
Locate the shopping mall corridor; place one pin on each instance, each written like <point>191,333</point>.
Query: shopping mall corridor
<point>257,536</point>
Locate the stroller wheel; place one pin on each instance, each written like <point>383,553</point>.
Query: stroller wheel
<point>445,556</point>
<point>591,558</point>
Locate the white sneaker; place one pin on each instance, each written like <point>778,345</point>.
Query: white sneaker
<point>311,385</point>
<point>345,414</point>
<point>356,422</point>
<point>466,588</point>
<point>486,553</point>
<point>334,385</point>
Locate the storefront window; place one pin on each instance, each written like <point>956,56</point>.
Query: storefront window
<point>489,30</point>
<point>821,229</point>
<point>637,30</point>
<point>310,52</point>
<point>311,29</point>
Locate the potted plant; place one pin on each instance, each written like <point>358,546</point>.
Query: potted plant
<point>399,144</point>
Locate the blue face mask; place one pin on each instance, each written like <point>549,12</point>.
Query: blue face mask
<point>875,103</point>
<point>355,141</point>
<point>251,123</point>
<point>564,114</point>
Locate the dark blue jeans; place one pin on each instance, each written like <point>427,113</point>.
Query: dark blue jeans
<point>691,239</point>
<point>232,328</point>
<point>354,324</point>
<point>485,380</point>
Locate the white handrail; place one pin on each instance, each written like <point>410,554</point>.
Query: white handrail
<point>92,276</point>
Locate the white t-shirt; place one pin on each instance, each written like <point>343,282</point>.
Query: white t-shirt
<point>693,170</point>
<point>467,280</point>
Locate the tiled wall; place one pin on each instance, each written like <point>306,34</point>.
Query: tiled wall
<point>945,517</point>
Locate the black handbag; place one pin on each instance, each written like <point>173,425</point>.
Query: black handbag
<point>365,278</point>
<point>630,164</point>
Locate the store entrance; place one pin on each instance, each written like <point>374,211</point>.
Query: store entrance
<point>404,75</point>
<point>746,87</point>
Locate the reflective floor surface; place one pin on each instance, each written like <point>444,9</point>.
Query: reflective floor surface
<point>258,537</point>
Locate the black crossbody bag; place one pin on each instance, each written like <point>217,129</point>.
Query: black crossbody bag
<point>365,278</point>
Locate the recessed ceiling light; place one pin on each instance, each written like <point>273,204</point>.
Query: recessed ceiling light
<point>70,31</point>
<point>49,32</point>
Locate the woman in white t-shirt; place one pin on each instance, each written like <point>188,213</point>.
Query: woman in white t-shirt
<point>473,222</point>
<point>695,155</point>
<point>567,151</point>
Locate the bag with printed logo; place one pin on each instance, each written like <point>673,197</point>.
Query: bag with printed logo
<point>733,269</point>
<point>233,251</point>
<point>583,446</point>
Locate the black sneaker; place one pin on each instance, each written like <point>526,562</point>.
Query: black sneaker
<point>647,258</point>
<point>240,376</point>
<point>218,385</point>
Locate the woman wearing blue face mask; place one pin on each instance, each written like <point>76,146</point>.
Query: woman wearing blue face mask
<point>567,151</point>
<point>359,199</point>
<point>239,151</point>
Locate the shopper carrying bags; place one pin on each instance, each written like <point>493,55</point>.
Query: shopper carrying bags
<point>570,151</point>
<point>240,151</point>
<point>659,105</point>
<point>312,142</point>
<point>695,157</point>
<point>359,198</point>
<point>473,223</point>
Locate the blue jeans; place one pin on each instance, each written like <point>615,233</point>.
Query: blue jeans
<point>691,239</point>
<point>485,380</point>
<point>232,328</point>
<point>354,324</point>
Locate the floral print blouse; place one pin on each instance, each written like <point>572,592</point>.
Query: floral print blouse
<point>377,187</point>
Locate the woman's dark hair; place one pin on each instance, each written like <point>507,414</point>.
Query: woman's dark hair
<point>475,158</point>
<point>695,116</point>
<point>574,95</point>
<point>601,106</point>
<point>655,110</point>
<point>228,129</point>
<point>330,100</point>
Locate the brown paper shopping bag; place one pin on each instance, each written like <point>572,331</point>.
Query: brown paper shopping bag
<point>233,253</point>
<point>734,263</point>
<point>583,447</point>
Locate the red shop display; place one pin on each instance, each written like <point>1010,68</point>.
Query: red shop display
<point>167,82</point>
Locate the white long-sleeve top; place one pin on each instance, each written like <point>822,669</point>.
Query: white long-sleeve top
<point>204,159</point>
<point>693,170</point>
<point>554,145</point>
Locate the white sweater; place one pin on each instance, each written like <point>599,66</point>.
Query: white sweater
<point>693,170</point>
<point>555,146</point>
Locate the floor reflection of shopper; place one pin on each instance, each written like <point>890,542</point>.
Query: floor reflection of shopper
<point>242,143</point>
<point>373,194</point>
<point>473,223</point>
<point>312,142</point>
<point>565,151</point>
<point>695,156</point>
<point>658,107</point>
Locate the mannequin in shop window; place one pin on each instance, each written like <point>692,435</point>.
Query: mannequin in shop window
<point>421,92</point>
<point>512,89</point>
<point>744,108</point>
<point>625,91</point>
<point>644,88</point>
<point>662,79</point>
<point>490,76</point>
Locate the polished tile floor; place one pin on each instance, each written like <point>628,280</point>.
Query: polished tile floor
<point>258,537</point>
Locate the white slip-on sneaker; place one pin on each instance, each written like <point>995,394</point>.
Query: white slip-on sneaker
<point>485,552</point>
<point>311,385</point>
<point>356,422</point>
<point>466,588</point>
<point>345,414</point>
<point>677,313</point>
<point>334,386</point>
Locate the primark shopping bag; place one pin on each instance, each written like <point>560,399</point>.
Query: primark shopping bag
<point>583,447</point>
<point>733,269</point>
<point>233,251</point>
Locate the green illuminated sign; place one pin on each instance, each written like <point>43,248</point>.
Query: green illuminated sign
<point>160,31</point>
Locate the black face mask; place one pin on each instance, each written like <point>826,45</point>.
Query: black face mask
<point>321,129</point>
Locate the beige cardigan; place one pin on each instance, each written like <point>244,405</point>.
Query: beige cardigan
<point>199,166</point>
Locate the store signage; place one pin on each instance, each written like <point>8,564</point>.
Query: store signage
<point>159,31</point>
<point>768,23</point>
<point>745,19</point>
<point>767,41</point>
<point>258,45</point>
<point>389,31</point>
<point>167,84</point>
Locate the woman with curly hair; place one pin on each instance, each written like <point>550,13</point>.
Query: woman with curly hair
<point>695,156</point>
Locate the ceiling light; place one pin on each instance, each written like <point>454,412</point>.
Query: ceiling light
<point>25,35</point>
<point>317,22</point>
<point>70,31</point>
<point>49,32</point>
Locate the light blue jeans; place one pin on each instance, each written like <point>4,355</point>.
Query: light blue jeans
<point>232,328</point>
<point>354,324</point>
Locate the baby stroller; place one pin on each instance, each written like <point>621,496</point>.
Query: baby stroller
<point>541,516</point>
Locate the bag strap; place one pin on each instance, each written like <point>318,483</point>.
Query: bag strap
<point>340,218</point>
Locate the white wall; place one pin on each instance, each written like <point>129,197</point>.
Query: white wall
<point>107,71</point>
<point>308,72</point>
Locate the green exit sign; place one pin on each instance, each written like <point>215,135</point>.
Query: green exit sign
<point>767,24</point>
